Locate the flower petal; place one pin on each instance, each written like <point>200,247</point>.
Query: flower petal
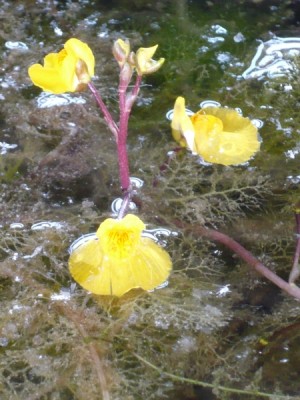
<point>152,266</point>
<point>182,128</point>
<point>81,51</point>
<point>48,79</point>
<point>119,238</point>
<point>101,275</point>
<point>86,267</point>
<point>100,267</point>
<point>234,144</point>
<point>143,60</point>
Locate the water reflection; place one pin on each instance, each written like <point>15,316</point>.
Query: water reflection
<point>4,147</point>
<point>63,295</point>
<point>273,58</point>
<point>170,113</point>
<point>209,103</point>
<point>16,225</point>
<point>40,226</point>
<point>117,204</point>
<point>47,100</point>
<point>16,45</point>
<point>82,240</point>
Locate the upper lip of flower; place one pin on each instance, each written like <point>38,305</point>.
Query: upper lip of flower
<point>65,71</point>
<point>143,60</point>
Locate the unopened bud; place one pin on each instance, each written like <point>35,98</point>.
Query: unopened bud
<point>121,50</point>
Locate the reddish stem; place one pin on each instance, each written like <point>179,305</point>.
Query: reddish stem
<point>126,103</point>
<point>244,254</point>
<point>107,116</point>
<point>123,164</point>
<point>295,271</point>
<point>120,132</point>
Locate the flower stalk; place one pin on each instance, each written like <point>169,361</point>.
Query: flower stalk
<point>244,254</point>
<point>126,61</point>
<point>295,271</point>
<point>107,116</point>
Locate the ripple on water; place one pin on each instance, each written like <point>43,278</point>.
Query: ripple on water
<point>273,58</point>
<point>5,147</point>
<point>117,204</point>
<point>47,100</point>
<point>170,113</point>
<point>40,226</point>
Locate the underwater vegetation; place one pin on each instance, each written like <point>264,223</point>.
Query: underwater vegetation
<point>161,299</point>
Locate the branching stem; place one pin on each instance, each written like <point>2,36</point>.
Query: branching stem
<point>206,384</point>
<point>107,116</point>
<point>244,254</point>
<point>126,101</point>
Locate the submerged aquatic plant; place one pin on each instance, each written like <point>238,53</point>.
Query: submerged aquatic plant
<point>219,135</point>
<point>98,329</point>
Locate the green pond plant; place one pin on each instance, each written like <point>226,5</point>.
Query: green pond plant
<point>119,258</point>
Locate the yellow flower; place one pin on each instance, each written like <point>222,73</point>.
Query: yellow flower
<point>67,71</point>
<point>143,60</point>
<point>120,259</point>
<point>219,135</point>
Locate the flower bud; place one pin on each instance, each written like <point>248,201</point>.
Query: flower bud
<point>144,62</point>
<point>121,50</point>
